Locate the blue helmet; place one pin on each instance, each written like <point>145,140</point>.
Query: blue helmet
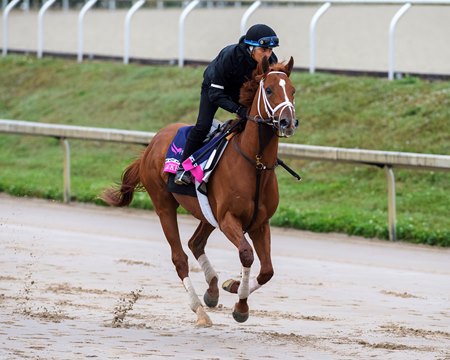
<point>262,36</point>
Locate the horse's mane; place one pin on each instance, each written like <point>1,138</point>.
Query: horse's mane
<point>249,88</point>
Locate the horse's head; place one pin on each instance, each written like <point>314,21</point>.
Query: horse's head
<point>274,103</point>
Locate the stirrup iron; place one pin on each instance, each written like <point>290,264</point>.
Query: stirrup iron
<point>182,177</point>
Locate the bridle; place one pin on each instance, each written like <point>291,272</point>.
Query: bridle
<point>279,124</point>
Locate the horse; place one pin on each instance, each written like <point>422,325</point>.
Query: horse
<point>242,191</point>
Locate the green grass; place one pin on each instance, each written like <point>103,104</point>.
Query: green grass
<point>409,115</point>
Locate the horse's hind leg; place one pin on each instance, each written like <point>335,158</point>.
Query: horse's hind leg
<point>197,245</point>
<point>167,211</point>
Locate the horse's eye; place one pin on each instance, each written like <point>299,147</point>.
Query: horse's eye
<point>268,91</point>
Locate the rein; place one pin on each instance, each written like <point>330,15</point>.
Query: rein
<point>257,162</point>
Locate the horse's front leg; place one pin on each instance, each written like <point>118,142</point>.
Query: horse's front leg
<point>246,286</point>
<point>197,245</point>
<point>261,242</point>
<point>233,231</point>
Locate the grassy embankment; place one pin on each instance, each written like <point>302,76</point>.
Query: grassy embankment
<point>409,115</point>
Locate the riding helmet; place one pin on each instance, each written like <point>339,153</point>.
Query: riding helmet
<point>262,36</point>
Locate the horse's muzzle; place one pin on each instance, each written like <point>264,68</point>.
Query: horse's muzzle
<point>287,127</point>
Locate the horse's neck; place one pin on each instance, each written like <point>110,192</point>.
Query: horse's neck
<point>263,142</point>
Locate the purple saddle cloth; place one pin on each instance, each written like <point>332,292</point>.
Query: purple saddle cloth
<point>192,163</point>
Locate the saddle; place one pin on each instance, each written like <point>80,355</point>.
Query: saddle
<point>202,163</point>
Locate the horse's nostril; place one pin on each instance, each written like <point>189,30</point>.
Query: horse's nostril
<point>284,123</point>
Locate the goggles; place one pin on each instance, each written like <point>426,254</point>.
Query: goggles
<point>265,42</point>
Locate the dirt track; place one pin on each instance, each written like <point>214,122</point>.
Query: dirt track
<point>81,282</point>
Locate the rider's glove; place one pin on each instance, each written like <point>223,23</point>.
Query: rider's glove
<point>242,112</point>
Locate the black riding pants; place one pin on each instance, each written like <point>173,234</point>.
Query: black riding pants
<point>197,135</point>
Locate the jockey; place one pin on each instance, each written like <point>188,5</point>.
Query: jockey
<point>222,81</point>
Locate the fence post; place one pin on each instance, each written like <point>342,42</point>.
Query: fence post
<point>391,203</point>
<point>40,40</point>
<point>126,35</point>
<point>247,14</point>
<point>392,27</point>
<point>181,21</point>
<point>83,12</point>
<point>8,8</point>
<point>66,146</point>
<point>312,36</point>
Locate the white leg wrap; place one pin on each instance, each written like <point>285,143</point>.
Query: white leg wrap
<point>254,285</point>
<point>194,301</point>
<point>207,268</point>
<point>244,286</point>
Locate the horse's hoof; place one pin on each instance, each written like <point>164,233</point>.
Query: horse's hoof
<point>240,317</point>
<point>203,319</point>
<point>209,300</point>
<point>231,286</point>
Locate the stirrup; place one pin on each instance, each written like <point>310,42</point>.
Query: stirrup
<point>182,177</point>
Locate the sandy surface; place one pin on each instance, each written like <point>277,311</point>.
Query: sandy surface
<point>81,282</point>
<point>348,37</point>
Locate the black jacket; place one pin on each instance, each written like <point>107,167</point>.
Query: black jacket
<point>224,76</point>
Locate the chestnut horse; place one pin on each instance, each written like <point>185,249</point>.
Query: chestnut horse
<point>242,192</point>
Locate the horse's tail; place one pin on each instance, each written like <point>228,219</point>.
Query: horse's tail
<point>122,195</point>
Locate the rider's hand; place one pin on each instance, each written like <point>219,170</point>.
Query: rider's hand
<point>242,112</point>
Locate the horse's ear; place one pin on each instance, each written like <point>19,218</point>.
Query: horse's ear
<point>289,66</point>
<point>265,66</point>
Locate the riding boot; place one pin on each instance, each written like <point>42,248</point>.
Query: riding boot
<point>182,177</point>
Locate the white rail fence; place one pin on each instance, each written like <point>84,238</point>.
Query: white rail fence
<point>385,159</point>
<point>191,5</point>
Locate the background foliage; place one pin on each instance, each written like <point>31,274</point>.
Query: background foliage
<point>409,115</point>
